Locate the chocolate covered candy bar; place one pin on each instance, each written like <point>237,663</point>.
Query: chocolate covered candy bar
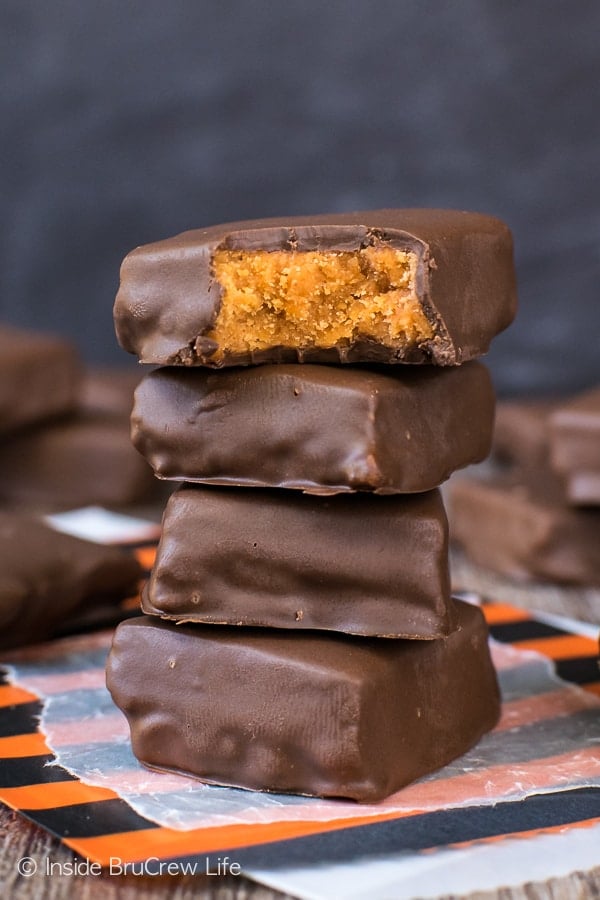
<point>73,462</point>
<point>282,559</point>
<point>39,377</point>
<point>47,577</point>
<point>390,286</point>
<point>575,447</point>
<point>109,392</point>
<point>321,429</point>
<point>306,713</point>
<point>522,433</point>
<point>520,526</point>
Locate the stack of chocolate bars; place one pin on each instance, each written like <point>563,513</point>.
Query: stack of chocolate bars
<point>300,635</point>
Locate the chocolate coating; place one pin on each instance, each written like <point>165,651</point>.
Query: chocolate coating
<point>321,429</point>
<point>308,713</point>
<point>522,433</point>
<point>575,447</point>
<point>47,577</point>
<point>520,526</point>
<point>353,563</point>
<point>40,378</point>
<point>555,438</point>
<point>168,300</point>
<point>72,462</point>
<point>109,392</point>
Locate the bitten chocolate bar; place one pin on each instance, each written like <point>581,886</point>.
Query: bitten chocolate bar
<point>40,377</point>
<point>389,286</point>
<point>359,564</point>
<point>47,577</point>
<point>575,447</point>
<point>322,429</point>
<point>521,526</point>
<point>308,713</point>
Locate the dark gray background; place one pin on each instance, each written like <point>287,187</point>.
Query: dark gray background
<point>126,122</point>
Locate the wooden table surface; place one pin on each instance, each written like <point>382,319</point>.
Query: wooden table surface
<point>21,838</point>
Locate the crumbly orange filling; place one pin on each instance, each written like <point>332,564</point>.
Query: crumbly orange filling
<point>307,299</point>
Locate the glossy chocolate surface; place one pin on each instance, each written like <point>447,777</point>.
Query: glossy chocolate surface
<point>47,577</point>
<point>359,564</point>
<point>169,300</point>
<point>40,377</point>
<point>321,429</point>
<point>575,447</point>
<point>309,713</point>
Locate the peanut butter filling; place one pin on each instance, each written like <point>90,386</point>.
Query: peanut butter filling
<point>319,299</point>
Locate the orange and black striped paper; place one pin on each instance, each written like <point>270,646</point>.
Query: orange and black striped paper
<point>95,822</point>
